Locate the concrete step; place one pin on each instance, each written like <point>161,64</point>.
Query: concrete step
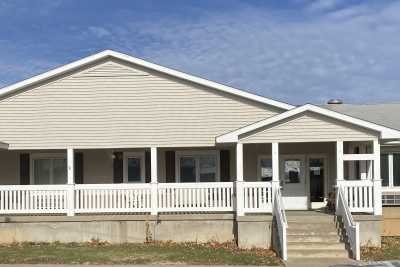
<point>311,232</point>
<point>312,226</point>
<point>313,238</point>
<point>331,246</point>
<point>316,253</point>
<point>320,262</point>
<point>311,219</point>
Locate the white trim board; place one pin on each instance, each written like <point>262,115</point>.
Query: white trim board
<point>385,132</point>
<point>113,54</point>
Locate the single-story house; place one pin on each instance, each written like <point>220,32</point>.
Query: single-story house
<point>117,148</point>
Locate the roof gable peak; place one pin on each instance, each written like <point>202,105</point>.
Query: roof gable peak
<point>137,61</point>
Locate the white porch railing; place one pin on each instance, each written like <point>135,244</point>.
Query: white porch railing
<point>104,198</point>
<point>134,198</point>
<point>257,197</point>
<point>280,217</point>
<point>359,195</point>
<point>178,197</point>
<point>33,199</point>
<point>352,228</point>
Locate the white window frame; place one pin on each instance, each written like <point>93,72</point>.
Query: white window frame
<point>196,155</point>
<point>50,156</point>
<point>259,158</point>
<point>141,156</point>
<point>390,169</point>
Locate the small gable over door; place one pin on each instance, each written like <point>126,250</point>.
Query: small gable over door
<point>308,127</point>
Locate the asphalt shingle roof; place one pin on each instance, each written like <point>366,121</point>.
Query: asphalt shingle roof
<point>383,114</point>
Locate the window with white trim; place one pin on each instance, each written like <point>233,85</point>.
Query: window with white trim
<point>390,169</point>
<point>264,169</point>
<point>197,166</point>
<point>48,169</point>
<point>134,167</point>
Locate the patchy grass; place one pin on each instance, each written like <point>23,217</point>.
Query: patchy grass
<point>148,253</point>
<point>390,250</point>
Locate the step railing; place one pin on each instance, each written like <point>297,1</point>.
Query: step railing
<point>359,195</point>
<point>281,222</point>
<point>352,229</point>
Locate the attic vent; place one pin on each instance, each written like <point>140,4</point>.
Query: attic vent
<point>335,102</point>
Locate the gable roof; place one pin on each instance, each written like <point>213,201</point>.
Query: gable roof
<point>383,113</point>
<point>385,132</point>
<point>113,54</point>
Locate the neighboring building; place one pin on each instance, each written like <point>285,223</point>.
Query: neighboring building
<point>113,134</point>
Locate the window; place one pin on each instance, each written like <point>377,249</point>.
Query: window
<point>134,169</point>
<point>200,166</point>
<point>385,169</point>
<point>396,169</point>
<point>292,171</point>
<point>49,169</point>
<point>390,169</point>
<point>265,169</point>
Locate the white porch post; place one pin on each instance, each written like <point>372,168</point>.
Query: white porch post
<point>377,182</point>
<point>70,182</point>
<point>154,180</point>
<point>339,163</point>
<point>275,166</point>
<point>363,164</point>
<point>239,180</point>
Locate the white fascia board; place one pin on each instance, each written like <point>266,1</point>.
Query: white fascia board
<point>146,64</point>
<point>3,145</point>
<point>385,133</point>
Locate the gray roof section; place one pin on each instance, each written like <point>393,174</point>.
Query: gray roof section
<point>383,114</point>
<point>3,145</point>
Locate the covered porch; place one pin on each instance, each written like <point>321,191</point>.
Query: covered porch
<point>236,178</point>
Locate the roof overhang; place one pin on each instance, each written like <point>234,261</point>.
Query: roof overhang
<point>3,145</point>
<point>385,132</point>
<point>133,60</point>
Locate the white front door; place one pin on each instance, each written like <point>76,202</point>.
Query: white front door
<point>293,181</point>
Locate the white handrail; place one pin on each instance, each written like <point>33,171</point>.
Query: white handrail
<point>352,228</point>
<point>280,216</point>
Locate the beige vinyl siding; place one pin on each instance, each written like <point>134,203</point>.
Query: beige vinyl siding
<point>251,153</point>
<point>308,127</point>
<point>112,105</point>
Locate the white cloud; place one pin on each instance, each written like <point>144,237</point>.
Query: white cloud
<point>99,32</point>
<point>352,53</point>
<point>323,5</point>
<point>355,58</point>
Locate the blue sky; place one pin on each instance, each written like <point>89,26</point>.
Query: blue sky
<point>296,51</point>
